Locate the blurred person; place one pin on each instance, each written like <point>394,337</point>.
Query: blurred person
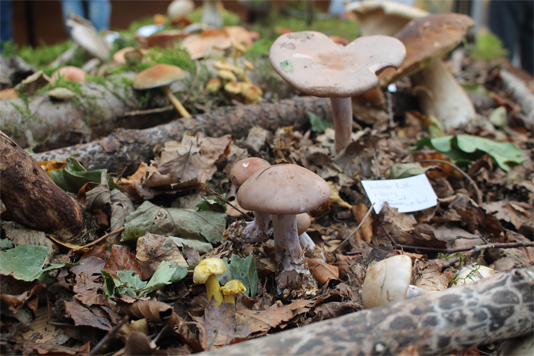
<point>96,11</point>
<point>6,29</point>
<point>513,22</point>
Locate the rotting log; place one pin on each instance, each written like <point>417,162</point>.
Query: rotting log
<point>521,95</point>
<point>96,112</point>
<point>33,199</point>
<point>124,149</point>
<point>440,323</point>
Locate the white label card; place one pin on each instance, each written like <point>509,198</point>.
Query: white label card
<point>407,194</point>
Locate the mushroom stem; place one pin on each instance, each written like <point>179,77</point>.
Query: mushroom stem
<point>257,230</point>
<point>286,242</point>
<point>342,109</point>
<point>177,104</point>
<point>230,298</point>
<point>213,288</point>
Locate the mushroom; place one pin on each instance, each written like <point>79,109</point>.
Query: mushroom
<point>284,191</point>
<point>210,43</point>
<point>160,76</point>
<point>121,58</point>
<point>241,171</point>
<point>231,289</point>
<point>383,17</point>
<point>71,73</point>
<point>439,94</point>
<point>179,9</point>
<point>315,65</point>
<point>211,14</point>
<point>206,272</point>
<point>387,281</point>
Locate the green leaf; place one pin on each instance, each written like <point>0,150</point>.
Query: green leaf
<point>131,279</point>
<point>211,205</point>
<point>167,270</point>
<point>245,270</point>
<point>464,149</point>
<point>73,176</point>
<point>498,117</point>
<point>287,65</point>
<point>5,244</point>
<point>109,285</point>
<point>317,124</point>
<point>205,226</point>
<point>405,170</point>
<point>24,262</point>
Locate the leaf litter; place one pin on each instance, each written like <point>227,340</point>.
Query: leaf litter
<point>146,271</point>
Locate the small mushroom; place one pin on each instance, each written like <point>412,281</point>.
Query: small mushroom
<point>71,73</point>
<point>387,281</point>
<point>315,65</point>
<point>211,14</point>
<point>231,289</point>
<point>284,191</point>
<point>160,76</point>
<point>178,9</point>
<point>242,170</point>
<point>206,272</point>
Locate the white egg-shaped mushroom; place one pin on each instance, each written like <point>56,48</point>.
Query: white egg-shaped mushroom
<point>387,281</point>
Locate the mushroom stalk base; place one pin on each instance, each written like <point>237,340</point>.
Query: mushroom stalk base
<point>177,104</point>
<point>213,288</point>
<point>257,230</point>
<point>342,108</point>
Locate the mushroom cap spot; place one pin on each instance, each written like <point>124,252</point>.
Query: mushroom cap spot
<point>324,68</point>
<point>427,38</point>
<point>283,189</point>
<point>158,76</point>
<point>245,168</point>
<point>233,287</point>
<point>303,222</point>
<point>208,267</point>
<point>387,281</point>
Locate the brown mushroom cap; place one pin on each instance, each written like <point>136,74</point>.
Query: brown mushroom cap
<point>283,189</point>
<point>158,76</point>
<point>71,73</point>
<point>315,65</point>
<point>427,38</point>
<point>303,222</point>
<point>245,168</point>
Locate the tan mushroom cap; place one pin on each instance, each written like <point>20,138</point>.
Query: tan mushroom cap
<point>157,76</point>
<point>315,65</point>
<point>283,189</point>
<point>208,267</point>
<point>245,168</point>
<point>426,39</point>
<point>179,8</point>
<point>378,17</point>
<point>71,73</point>
<point>303,222</point>
<point>208,43</point>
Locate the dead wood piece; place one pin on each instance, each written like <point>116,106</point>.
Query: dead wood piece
<point>453,320</point>
<point>126,149</point>
<point>33,199</point>
<point>520,94</point>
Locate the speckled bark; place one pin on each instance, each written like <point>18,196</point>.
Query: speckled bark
<point>126,149</point>
<point>33,199</point>
<point>456,319</point>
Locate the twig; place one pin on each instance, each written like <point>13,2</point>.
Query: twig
<point>100,239</point>
<point>109,335</point>
<point>476,249</point>
<point>193,83</point>
<point>466,176</point>
<point>226,201</point>
<point>356,229</point>
<point>149,111</point>
<point>390,110</point>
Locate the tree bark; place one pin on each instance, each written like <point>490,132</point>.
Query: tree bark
<point>440,323</point>
<point>124,149</point>
<point>33,199</point>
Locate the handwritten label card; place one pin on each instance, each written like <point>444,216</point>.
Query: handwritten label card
<point>408,194</point>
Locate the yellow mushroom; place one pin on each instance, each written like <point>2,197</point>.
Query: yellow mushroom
<point>206,272</point>
<point>230,289</point>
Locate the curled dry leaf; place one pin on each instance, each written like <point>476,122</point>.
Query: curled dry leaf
<point>359,211</point>
<point>322,272</point>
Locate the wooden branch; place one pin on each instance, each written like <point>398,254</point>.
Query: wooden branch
<point>520,94</point>
<point>126,149</point>
<point>33,199</point>
<point>439,323</point>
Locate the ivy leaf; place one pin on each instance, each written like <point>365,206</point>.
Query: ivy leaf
<point>245,270</point>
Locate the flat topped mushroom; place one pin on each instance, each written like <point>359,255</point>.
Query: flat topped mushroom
<point>315,65</point>
<point>160,76</point>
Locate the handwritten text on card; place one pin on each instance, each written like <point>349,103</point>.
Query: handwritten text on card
<point>408,194</point>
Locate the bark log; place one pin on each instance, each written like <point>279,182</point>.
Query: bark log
<point>95,113</point>
<point>456,319</point>
<point>521,95</point>
<point>33,199</point>
<point>124,149</point>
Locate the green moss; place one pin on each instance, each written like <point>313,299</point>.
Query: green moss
<point>260,48</point>
<point>177,56</point>
<point>229,18</point>
<point>61,82</point>
<point>488,47</point>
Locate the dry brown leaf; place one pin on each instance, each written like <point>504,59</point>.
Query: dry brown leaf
<point>121,259</point>
<point>221,326</point>
<point>510,212</point>
<point>322,272</point>
<point>83,316</point>
<point>359,211</point>
<point>153,249</point>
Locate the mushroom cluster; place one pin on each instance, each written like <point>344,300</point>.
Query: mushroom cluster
<point>315,65</point>
<point>284,191</point>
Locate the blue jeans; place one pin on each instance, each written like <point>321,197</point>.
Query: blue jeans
<point>6,30</point>
<point>98,11</point>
